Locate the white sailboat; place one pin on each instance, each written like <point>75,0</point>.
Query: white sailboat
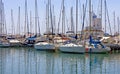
<point>44,46</point>
<point>72,48</point>
<point>49,44</point>
<point>9,42</point>
<point>4,44</point>
<point>95,46</point>
<point>14,42</point>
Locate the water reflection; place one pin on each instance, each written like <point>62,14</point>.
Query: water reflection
<point>30,61</point>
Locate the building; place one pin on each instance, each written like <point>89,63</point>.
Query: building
<point>96,27</point>
<point>96,24</point>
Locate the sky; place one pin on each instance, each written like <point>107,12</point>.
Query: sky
<point>113,5</point>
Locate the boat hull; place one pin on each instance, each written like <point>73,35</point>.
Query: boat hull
<point>41,46</point>
<point>4,44</point>
<point>72,49</point>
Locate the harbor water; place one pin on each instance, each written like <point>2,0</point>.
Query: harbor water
<point>31,61</point>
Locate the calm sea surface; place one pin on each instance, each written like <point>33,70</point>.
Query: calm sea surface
<point>31,61</point>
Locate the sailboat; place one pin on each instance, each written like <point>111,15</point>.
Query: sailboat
<point>4,42</point>
<point>95,46</point>
<point>46,44</point>
<point>29,41</point>
<point>10,40</point>
<point>3,30</point>
<point>30,38</point>
<point>72,47</point>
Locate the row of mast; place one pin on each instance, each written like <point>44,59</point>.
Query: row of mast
<point>50,18</point>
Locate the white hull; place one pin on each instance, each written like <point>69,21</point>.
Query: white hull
<point>4,44</point>
<point>44,46</point>
<point>14,42</point>
<point>72,48</point>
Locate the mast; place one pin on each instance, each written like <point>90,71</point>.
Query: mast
<point>60,17</point>
<point>109,21</point>
<point>72,24</point>
<point>114,22</point>
<point>1,17</point>
<point>48,21</point>
<point>118,28</point>
<point>105,16</point>
<point>51,18</point>
<point>54,20</point>
<point>26,26</point>
<point>101,12</point>
<point>47,18</point>
<point>18,25</point>
<point>25,16</point>
<point>31,22</point>
<point>118,24</point>
<point>90,15</point>
<point>76,15</point>
<point>36,17</point>
<point>83,20</point>
<point>5,28</point>
<point>12,22</point>
<point>63,17</point>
